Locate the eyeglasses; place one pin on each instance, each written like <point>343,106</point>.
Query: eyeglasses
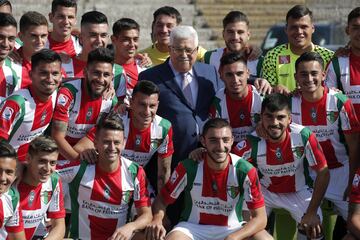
<point>187,51</point>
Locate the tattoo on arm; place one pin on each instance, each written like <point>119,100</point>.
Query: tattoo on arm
<point>60,126</point>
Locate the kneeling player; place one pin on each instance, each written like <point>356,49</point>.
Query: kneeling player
<point>214,191</point>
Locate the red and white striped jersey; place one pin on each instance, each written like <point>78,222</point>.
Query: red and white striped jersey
<point>241,114</point>
<point>355,190</point>
<point>329,118</point>
<point>22,70</point>
<point>141,145</point>
<point>71,47</point>
<point>76,107</point>
<point>344,73</point>
<point>10,213</point>
<point>100,200</point>
<point>23,117</point>
<point>214,197</point>
<point>46,199</point>
<point>132,71</point>
<point>283,167</point>
<point>9,80</point>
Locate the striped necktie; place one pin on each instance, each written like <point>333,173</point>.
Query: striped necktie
<point>185,85</point>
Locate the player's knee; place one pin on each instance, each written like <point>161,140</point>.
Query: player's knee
<point>262,235</point>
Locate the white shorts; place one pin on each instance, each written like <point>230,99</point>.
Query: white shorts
<point>334,193</point>
<point>295,203</point>
<point>205,232</point>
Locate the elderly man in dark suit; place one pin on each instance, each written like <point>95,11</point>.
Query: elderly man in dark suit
<point>186,90</point>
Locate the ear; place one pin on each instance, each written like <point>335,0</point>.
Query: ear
<point>113,39</point>
<point>51,17</point>
<point>347,29</point>
<point>202,140</point>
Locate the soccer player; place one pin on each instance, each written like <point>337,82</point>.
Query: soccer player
<point>80,103</point>
<point>101,194</point>
<point>11,224</point>
<point>8,80</point>
<point>238,103</point>
<point>214,190</point>
<point>165,19</point>
<point>283,160</point>
<point>27,113</point>
<point>125,39</point>
<point>279,63</point>
<point>41,190</point>
<point>33,33</point>
<point>344,72</point>
<point>331,117</point>
<point>63,18</point>
<point>145,134</point>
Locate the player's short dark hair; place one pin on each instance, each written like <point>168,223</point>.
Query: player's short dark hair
<point>6,2</point>
<point>233,57</point>
<point>111,122</point>
<point>355,13</point>
<point>44,55</point>
<point>146,87</point>
<point>63,3</point>
<point>169,11</point>
<point>7,151</point>
<point>7,19</point>
<point>215,123</point>
<point>32,18</point>
<point>93,17</point>
<point>309,57</point>
<point>298,11</point>
<point>101,55</point>
<point>124,24</point>
<point>42,143</point>
<point>275,102</point>
<point>234,17</point>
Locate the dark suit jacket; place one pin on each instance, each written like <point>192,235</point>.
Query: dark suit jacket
<point>174,107</point>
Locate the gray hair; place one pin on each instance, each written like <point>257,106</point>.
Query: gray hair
<point>184,32</point>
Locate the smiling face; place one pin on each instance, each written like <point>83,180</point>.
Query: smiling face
<point>299,32</point>
<point>34,38</point>
<point>94,36</point>
<point>235,77</point>
<point>236,35</point>
<point>40,166</point>
<point>7,41</point>
<point>46,78</point>
<point>109,144</point>
<point>162,29</point>
<point>63,20</point>
<point>98,77</point>
<point>218,143</point>
<point>183,54</point>
<point>275,123</point>
<point>309,77</point>
<point>126,43</point>
<point>143,109</point>
<point>7,173</point>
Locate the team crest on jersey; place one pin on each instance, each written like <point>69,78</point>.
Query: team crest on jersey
<point>106,192</point>
<point>299,151</point>
<point>356,180</point>
<point>173,177</point>
<point>47,196</point>
<point>332,116</point>
<point>313,114</point>
<point>126,197</point>
<point>7,113</point>
<point>62,100</point>
<point>244,149</point>
<point>137,141</point>
<point>242,116</point>
<point>233,191</point>
<point>284,59</point>
<point>155,143</point>
<point>89,114</point>
<point>278,154</point>
<point>31,198</point>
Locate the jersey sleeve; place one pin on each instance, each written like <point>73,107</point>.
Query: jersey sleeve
<point>314,153</point>
<point>166,148</point>
<point>252,190</point>
<point>349,122</point>
<point>56,208</point>
<point>63,103</point>
<point>175,185</point>
<point>15,223</point>
<point>141,195</point>
<point>68,170</point>
<point>243,149</point>
<point>331,77</point>
<point>215,109</point>
<point>355,189</point>
<point>10,113</point>
<point>269,71</point>
<point>91,134</point>
<point>120,84</point>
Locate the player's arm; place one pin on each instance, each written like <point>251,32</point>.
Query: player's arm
<point>352,141</point>
<point>311,221</point>
<point>354,220</point>
<point>86,149</point>
<point>58,132</point>
<point>57,230</point>
<point>164,171</point>
<point>16,236</point>
<point>156,230</point>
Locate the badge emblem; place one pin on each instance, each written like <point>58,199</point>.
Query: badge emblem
<point>107,192</point>
<point>233,191</point>
<point>278,154</point>
<point>332,116</point>
<point>313,114</point>
<point>89,114</point>
<point>31,198</point>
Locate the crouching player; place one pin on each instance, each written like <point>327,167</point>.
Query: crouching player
<point>214,192</point>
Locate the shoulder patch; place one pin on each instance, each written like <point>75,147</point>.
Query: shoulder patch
<point>7,113</point>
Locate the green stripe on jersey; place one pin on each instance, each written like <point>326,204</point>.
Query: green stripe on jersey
<point>16,78</point>
<point>118,70</point>
<point>305,134</point>
<point>21,102</point>
<point>165,124</point>
<point>336,66</point>
<point>15,197</point>
<point>207,56</point>
<point>191,167</point>
<point>54,180</point>
<point>74,191</point>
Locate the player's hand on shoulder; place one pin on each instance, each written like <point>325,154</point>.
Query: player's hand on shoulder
<point>155,231</point>
<point>144,59</point>
<point>89,155</point>
<point>281,89</point>
<point>262,86</point>
<point>197,154</point>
